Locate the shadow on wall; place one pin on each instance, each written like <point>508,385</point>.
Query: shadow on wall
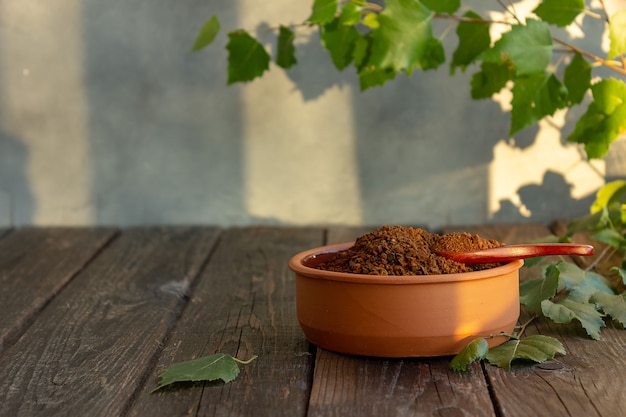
<point>17,205</point>
<point>161,150</point>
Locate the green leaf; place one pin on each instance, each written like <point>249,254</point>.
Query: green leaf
<point>567,310</point>
<point>434,55</point>
<point>621,272</point>
<point>340,41</point>
<point>247,59</point>
<point>604,120</point>
<point>612,305</point>
<point>560,12</point>
<point>361,51</point>
<point>207,33</point>
<point>611,192</point>
<point>323,11</point>
<point>611,237</point>
<point>528,46</point>
<point>580,283</point>
<point>371,77</point>
<point>537,348</point>
<point>286,52</point>
<point>350,14</point>
<point>473,40</point>
<point>617,34</point>
<point>475,350</point>
<point>577,79</point>
<point>534,97</point>
<point>371,20</point>
<point>533,292</point>
<point>490,79</point>
<point>442,6</point>
<point>403,37</point>
<point>208,368</point>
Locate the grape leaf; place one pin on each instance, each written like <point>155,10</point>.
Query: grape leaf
<point>434,55</point>
<point>475,350</point>
<point>567,310</point>
<point>490,79</point>
<point>208,368</point>
<point>442,6</point>
<point>350,14</point>
<point>528,46</point>
<point>207,33</point>
<point>247,59</point>
<point>340,41</point>
<point>560,12</point>
<point>580,283</point>
<point>617,34</point>
<point>323,11</point>
<point>371,20</point>
<point>473,40</point>
<point>402,37</point>
<point>533,292</point>
<point>604,120</point>
<point>577,79</point>
<point>286,52</point>
<point>535,96</point>
<point>371,77</point>
<point>612,305</point>
<point>537,348</point>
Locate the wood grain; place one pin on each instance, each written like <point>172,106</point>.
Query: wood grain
<point>244,305</point>
<point>587,381</point>
<point>89,350</point>
<point>349,385</point>
<point>35,264</point>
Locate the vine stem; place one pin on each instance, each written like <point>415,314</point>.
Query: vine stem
<point>246,362</point>
<point>589,55</point>
<point>607,250</point>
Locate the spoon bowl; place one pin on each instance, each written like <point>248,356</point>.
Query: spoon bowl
<point>513,252</point>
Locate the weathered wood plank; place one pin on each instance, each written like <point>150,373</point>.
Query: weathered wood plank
<point>244,305</point>
<point>588,381</point>
<point>35,264</point>
<point>89,350</point>
<point>348,385</point>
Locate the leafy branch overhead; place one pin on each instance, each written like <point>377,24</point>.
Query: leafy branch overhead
<point>383,41</point>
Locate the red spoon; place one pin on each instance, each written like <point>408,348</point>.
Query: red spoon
<point>513,252</point>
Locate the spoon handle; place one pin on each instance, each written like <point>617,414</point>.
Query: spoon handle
<point>513,252</point>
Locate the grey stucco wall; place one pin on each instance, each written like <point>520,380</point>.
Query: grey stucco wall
<point>106,117</point>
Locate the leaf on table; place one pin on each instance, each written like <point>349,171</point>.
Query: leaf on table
<point>286,52</point>
<point>528,47</point>
<point>560,12</point>
<point>612,304</point>
<point>474,38</point>
<point>207,33</point>
<point>475,350</point>
<point>537,348</point>
<point>617,34</point>
<point>490,79</point>
<point>340,41</point>
<point>534,97</point>
<point>577,79</point>
<point>582,283</point>
<point>533,292</point>
<point>247,59</point>
<point>323,11</point>
<point>403,36</point>
<point>621,272</point>
<point>442,6</point>
<point>605,118</point>
<point>567,310</point>
<point>208,368</point>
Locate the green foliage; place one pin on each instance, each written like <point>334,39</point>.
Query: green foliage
<point>537,348</point>
<point>208,368</point>
<point>565,311</point>
<point>534,292</point>
<point>207,34</point>
<point>475,350</point>
<point>382,41</point>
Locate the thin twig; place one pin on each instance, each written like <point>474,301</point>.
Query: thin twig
<point>608,64</point>
<point>523,326</point>
<point>606,252</point>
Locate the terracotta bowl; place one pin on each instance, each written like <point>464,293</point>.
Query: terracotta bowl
<point>402,316</point>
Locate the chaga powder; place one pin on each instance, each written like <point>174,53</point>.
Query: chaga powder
<point>399,250</point>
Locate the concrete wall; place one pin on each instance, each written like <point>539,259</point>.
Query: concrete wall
<point>106,117</point>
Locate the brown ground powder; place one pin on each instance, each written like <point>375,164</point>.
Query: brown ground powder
<point>399,250</point>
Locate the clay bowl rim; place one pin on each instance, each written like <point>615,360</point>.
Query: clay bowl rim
<point>296,264</point>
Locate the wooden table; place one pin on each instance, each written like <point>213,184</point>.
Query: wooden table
<point>89,318</point>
